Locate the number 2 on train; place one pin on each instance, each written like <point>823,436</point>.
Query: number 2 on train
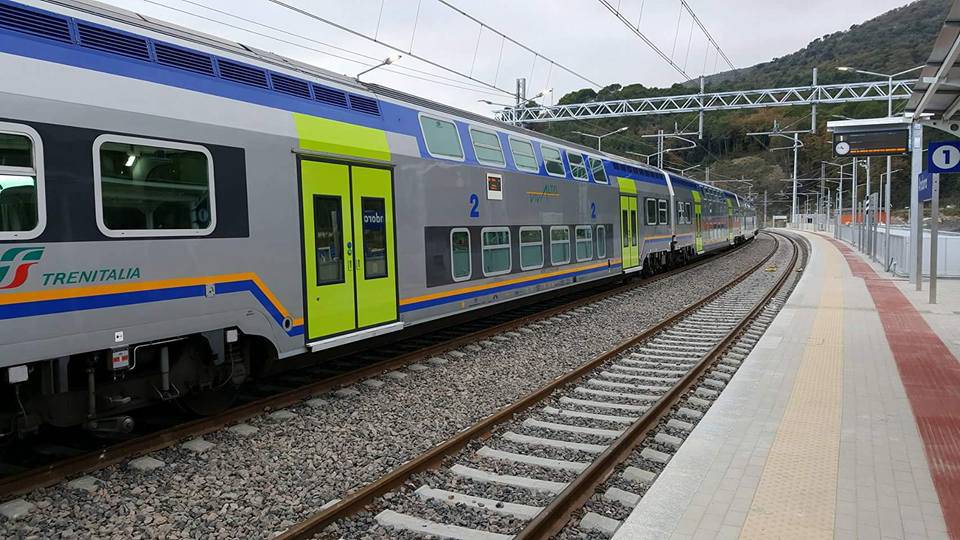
<point>475,205</point>
<point>593,210</point>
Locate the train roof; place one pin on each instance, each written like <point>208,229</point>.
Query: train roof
<point>158,26</point>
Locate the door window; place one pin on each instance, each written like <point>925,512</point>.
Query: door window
<point>460,254</point>
<point>327,213</point>
<point>374,237</point>
<point>625,229</point>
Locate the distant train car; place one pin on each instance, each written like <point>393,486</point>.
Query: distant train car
<point>179,213</point>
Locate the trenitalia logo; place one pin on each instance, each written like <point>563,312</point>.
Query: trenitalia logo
<point>15,265</point>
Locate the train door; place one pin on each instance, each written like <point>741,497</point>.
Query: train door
<point>697,222</point>
<point>348,242</point>
<point>730,221</point>
<point>629,231</point>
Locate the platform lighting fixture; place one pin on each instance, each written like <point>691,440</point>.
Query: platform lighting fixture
<point>386,62</point>
<point>130,160</point>
<point>600,137</point>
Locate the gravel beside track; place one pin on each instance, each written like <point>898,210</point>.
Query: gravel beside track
<point>253,486</point>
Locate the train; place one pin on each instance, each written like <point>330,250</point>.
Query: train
<point>180,213</point>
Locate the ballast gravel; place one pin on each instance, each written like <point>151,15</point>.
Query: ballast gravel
<point>256,484</point>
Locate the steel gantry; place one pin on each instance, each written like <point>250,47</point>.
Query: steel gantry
<point>815,94</point>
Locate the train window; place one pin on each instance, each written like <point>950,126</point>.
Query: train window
<point>689,213</point>
<point>531,248</point>
<point>634,228</point>
<point>680,218</point>
<point>460,263</point>
<point>496,251</point>
<point>553,161</point>
<point>651,211</point>
<point>374,237</point>
<point>584,243</point>
<point>441,137</point>
<point>486,145</point>
<point>601,242</point>
<point>327,216</point>
<point>22,208</point>
<point>599,175</point>
<point>624,228</point>
<point>577,168</point>
<point>664,212</point>
<point>523,155</point>
<point>559,245</point>
<point>153,188</point>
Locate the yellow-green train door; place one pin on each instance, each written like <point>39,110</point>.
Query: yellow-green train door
<point>730,220</point>
<point>697,222</point>
<point>328,249</point>
<point>373,225</point>
<point>348,237</point>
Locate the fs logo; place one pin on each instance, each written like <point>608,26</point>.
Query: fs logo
<point>15,265</point>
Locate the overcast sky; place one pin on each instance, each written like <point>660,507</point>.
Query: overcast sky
<point>579,34</point>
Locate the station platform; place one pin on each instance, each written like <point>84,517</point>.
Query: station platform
<point>843,422</point>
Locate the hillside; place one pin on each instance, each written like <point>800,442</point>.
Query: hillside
<point>894,41</point>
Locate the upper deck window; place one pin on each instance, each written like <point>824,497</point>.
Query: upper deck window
<point>596,166</point>
<point>22,213</point>
<point>153,188</point>
<point>486,145</point>
<point>523,155</point>
<point>441,137</point>
<point>577,168</point>
<point>553,161</point>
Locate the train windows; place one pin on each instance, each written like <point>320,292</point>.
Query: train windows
<point>531,248</point>
<point>689,213</point>
<point>523,155</point>
<point>664,212</point>
<point>461,264</point>
<point>601,242</point>
<point>496,251</point>
<point>153,188</point>
<point>584,242</point>
<point>22,208</point>
<point>486,145</point>
<point>327,216</point>
<point>599,175</point>
<point>680,217</point>
<point>441,137</point>
<point>577,168</point>
<point>635,228</point>
<point>559,245</point>
<point>651,211</point>
<point>374,237</point>
<point>553,161</point>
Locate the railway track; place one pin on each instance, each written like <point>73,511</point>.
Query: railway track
<point>610,425</point>
<point>66,460</point>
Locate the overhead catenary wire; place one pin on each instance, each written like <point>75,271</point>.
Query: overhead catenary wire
<point>371,60</point>
<point>394,48</point>
<point>643,37</point>
<point>518,44</point>
<point>707,33</point>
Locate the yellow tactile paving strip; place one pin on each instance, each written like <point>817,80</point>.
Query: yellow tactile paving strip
<point>796,497</point>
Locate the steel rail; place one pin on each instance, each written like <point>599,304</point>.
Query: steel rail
<point>556,515</point>
<point>356,501</point>
<point>55,472</point>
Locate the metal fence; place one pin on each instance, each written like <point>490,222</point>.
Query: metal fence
<point>900,259</point>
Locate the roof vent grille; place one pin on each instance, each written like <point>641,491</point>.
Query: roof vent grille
<point>289,85</point>
<point>34,23</point>
<point>171,56</point>
<point>239,73</point>
<point>330,96</point>
<point>102,39</point>
<point>364,105</point>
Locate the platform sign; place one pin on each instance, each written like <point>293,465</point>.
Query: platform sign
<point>887,142</point>
<point>943,157</point>
<point>925,186</point>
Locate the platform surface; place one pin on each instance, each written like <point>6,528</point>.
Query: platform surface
<point>844,421</point>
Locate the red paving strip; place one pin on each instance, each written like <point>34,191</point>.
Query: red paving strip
<point>931,376</point>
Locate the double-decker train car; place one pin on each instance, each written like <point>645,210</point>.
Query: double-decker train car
<point>179,213</point>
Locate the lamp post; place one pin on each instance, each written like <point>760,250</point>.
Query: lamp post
<point>386,62</point>
<point>600,137</point>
